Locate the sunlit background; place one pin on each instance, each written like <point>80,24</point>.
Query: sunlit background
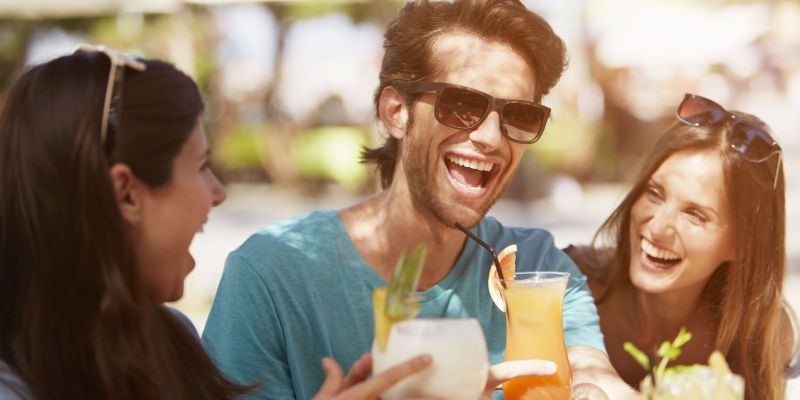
<point>289,89</point>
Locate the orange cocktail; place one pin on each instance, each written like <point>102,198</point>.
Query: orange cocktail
<point>534,330</point>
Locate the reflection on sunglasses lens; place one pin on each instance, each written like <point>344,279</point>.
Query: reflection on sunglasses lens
<point>519,134</point>
<point>523,116</point>
<point>699,111</point>
<point>461,108</point>
<point>751,142</point>
<point>522,121</point>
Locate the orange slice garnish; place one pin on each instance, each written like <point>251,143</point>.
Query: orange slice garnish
<point>508,259</point>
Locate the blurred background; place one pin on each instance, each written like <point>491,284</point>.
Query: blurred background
<point>289,89</point>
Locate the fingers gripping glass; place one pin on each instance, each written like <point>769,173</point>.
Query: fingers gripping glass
<point>464,108</point>
<point>116,76</point>
<point>753,143</point>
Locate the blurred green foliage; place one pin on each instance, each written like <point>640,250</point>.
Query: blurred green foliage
<point>322,154</point>
<point>359,11</point>
<point>332,153</point>
<point>298,11</point>
<point>13,40</point>
<point>242,148</point>
<point>568,144</point>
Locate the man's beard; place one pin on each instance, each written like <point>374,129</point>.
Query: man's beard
<point>421,180</point>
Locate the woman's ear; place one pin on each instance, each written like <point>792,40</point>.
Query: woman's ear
<point>393,112</point>
<point>126,191</point>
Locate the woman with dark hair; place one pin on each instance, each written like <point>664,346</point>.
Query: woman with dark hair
<point>101,192</point>
<point>699,242</point>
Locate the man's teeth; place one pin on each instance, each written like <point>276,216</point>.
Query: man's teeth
<point>655,252</point>
<point>474,164</point>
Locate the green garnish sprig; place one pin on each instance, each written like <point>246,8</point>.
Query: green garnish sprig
<point>668,351</point>
<point>403,284</point>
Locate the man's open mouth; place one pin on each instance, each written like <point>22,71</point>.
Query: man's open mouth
<point>470,173</point>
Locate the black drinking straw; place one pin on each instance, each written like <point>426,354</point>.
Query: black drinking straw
<point>652,359</point>
<point>489,249</point>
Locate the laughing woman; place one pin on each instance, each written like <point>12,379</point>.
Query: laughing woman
<point>699,242</point>
<point>101,193</point>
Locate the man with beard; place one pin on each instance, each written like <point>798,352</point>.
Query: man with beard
<point>459,93</point>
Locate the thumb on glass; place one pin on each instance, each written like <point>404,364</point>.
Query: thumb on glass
<point>506,370</point>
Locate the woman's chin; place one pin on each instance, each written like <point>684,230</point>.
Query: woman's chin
<point>650,281</point>
<point>175,295</point>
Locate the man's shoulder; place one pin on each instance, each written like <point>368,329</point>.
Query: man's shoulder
<point>536,247</point>
<point>307,233</point>
<point>526,238</point>
<point>292,249</point>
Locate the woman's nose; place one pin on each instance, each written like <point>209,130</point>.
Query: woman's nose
<point>661,224</point>
<point>218,194</point>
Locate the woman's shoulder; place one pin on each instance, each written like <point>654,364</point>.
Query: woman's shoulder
<point>184,320</point>
<point>11,385</point>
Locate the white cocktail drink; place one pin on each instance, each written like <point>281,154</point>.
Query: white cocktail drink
<point>460,359</point>
<point>696,383</point>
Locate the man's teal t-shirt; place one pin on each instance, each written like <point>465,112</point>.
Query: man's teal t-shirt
<point>299,290</point>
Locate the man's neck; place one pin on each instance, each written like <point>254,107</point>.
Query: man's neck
<point>385,225</point>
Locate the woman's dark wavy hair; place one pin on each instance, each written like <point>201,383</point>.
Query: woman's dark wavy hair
<point>75,321</point>
<point>745,293</point>
<point>409,40</point>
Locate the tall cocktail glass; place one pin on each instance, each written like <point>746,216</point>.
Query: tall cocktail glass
<point>534,330</point>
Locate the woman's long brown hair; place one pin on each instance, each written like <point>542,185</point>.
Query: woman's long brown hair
<point>747,292</point>
<point>75,322</point>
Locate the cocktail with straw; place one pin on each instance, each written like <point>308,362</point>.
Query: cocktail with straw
<point>534,328</point>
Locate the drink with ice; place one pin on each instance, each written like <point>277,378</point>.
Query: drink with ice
<point>457,346</point>
<point>460,359</point>
<point>696,383</point>
<point>686,382</point>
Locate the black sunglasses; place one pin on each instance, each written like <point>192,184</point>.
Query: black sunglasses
<point>116,76</point>
<point>461,107</point>
<point>753,143</point>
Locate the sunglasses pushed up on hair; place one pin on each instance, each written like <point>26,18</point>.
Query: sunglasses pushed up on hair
<point>753,143</point>
<point>112,104</point>
<point>463,108</point>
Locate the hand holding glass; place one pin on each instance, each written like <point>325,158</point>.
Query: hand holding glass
<point>460,359</point>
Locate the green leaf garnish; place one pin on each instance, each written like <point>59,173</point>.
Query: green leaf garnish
<point>637,355</point>
<point>668,351</point>
<point>397,302</point>
<point>671,351</point>
<point>404,283</point>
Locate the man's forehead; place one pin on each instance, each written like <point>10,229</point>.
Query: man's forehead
<point>472,60</point>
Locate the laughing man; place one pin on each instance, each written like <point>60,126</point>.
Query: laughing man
<point>459,97</point>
